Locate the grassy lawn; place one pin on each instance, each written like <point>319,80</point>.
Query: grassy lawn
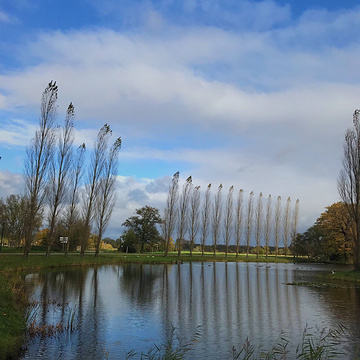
<point>35,261</point>
<point>347,276</point>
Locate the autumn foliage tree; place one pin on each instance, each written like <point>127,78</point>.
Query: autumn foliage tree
<point>330,238</point>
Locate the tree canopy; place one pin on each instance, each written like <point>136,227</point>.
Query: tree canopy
<point>143,224</point>
<point>329,239</point>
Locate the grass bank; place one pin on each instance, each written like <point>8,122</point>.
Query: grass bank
<point>12,320</point>
<point>353,276</point>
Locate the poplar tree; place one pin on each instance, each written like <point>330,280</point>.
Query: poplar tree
<point>59,174</point>
<point>184,213</point>
<point>229,213</point>
<point>259,222</point>
<point>295,220</point>
<point>239,219</point>
<point>249,221</point>
<point>38,159</point>
<point>170,213</point>
<point>216,217</point>
<point>72,216</point>
<point>106,196</point>
<point>206,213</point>
<point>268,225</point>
<point>287,225</point>
<point>277,224</point>
<point>95,172</point>
<point>194,216</point>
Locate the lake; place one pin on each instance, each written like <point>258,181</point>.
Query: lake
<point>132,307</point>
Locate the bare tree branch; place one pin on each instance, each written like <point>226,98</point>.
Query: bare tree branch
<point>216,217</point>
<point>194,216</point>
<point>205,217</point>
<point>171,212</point>
<point>239,219</point>
<point>229,213</point>
<point>38,159</point>
<point>183,213</point>
<point>249,221</point>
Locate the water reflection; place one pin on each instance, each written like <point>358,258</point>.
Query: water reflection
<point>134,306</point>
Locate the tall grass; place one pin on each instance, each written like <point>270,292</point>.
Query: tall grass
<point>316,344</point>
<point>69,324</point>
<point>173,349</point>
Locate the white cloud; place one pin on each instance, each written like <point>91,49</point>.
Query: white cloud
<point>7,18</point>
<point>263,110</point>
<point>10,183</point>
<point>16,132</point>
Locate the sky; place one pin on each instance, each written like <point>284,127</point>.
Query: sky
<point>254,94</point>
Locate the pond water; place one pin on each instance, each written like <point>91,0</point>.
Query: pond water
<point>132,307</point>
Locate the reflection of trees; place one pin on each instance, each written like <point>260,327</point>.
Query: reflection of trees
<point>63,294</point>
<point>138,282</point>
<point>229,301</point>
<point>91,332</point>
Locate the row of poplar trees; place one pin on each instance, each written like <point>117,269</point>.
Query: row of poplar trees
<point>56,174</point>
<point>231,220</point>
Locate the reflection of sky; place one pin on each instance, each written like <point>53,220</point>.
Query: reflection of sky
<point>229,302</point>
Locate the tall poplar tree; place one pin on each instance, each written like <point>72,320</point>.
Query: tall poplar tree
<point>295,220</point>
<point>206,213</point>
<point>229,213</point>
<point>216,217</point>
<point>268,225</point>
<point>239,219</point>
<point>249,221</point>
<point>171,212</point>
<point>59,174</point>
<point>72,214</point>
<point>287,225</point>
<point>259,222</point>
<point>95,172</point>
<point>106,196</point>
<point>183,221</point>
<point>38,159</point>
<point>194,216</point>
<point>277,229</point>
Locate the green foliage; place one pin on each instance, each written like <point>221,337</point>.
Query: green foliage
<point>329,239</point>
<point>12,322</point>
<point>129,242</point>
<point>112,242</point>
<point>143,225</point>
<point>257,250</point>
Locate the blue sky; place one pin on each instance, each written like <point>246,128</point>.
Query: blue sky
<point>255,94</point>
